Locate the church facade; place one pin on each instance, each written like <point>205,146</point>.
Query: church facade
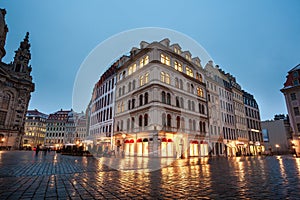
<point>15,90</point>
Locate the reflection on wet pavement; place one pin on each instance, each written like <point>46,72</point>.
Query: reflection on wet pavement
<point>24,175</point>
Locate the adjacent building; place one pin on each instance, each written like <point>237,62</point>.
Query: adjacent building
<point>101,111</point>
<point>253,124</point>
<point>15,90</point>
<point>35,129</point>
<point>277,134</point>
<point>291,91</point>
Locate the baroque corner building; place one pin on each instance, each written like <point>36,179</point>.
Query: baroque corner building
<point>15,88</point>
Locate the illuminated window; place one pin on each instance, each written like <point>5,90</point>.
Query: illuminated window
<point>162,76</point>
<point>177,50</point>
<point>199,92</point>
<point>178,66</point>
<point>164,59</point>
<point>187,57</point>
<point>146,78</point>
<point>133,68</point>
<point>144,61</point>
<point>130,70</point>
<point>122,107</point>
<point>141,80</point>
<point>199,77</point>
<point>189,71</point>
<point>167,78</point>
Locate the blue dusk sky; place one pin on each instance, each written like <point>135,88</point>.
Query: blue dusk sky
<point>256,41</point>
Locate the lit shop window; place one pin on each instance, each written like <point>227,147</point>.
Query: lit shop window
<point>164,59</point>
<point>144,61</point>
<point>189,71</point>
<point>178,66</point>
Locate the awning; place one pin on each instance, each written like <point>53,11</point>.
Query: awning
<point>164,140</point>
<point>131,141</point>
<point>139,140</point>
<point>145,140</point>
<point>170,140</point>
<point>203,142</point>
<point>126,141</point>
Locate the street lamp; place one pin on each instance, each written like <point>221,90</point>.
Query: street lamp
<point>277,147</point>
<point>123,151</point>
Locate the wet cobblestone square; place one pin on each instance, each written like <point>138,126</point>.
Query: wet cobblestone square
<point>53,176</point>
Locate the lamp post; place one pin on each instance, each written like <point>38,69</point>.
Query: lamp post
<point>123,150</point>
<point>277,147</point>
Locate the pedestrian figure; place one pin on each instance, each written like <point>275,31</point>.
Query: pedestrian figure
<point>37,150</point>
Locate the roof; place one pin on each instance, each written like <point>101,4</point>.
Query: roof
<point>297,67</point>
<point>36,113</point>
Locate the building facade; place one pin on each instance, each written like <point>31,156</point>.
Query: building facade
<point>291,91</point>
<point>253,124</point>
<point>167,105</point>
<point>15,90</point>
<point>101,111</point>
<point>56,129</point>
<point>35,129</point>
<point>161,105</point>
<point>277,135</point>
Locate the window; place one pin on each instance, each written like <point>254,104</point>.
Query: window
<point>162,76</point>
<point>141,100</point>
<point>293,96</point>
<point>129,102</point>
<point>165,59</point>
<point>189,71</point>
<point>146,98</point>
<point>169,121</point>
<point>2,117</point>
<point>181,84</point>
<point>199,92</point>
<point>177,102</point>
<point>146,78</point>
<point>199,77</point>
<point>140,121</point>
<point>296,110</point>
<point>295,74</point>
<point>193,106</point>
<point>146,120</point>
<point>181,103</point>
<point>167,78</point>
<point>163,97</point>
<point>176,83</point>
<point>132,123</point>
<point>133,103</point>
<point>122,107</point>
<point>129,86</point>
<point>141,80</point>
<point>298,127</point>
<point>194,125</point>
<point>123,90</point>
<point>189,105</point>
<point>5,101</point>
<point>168,99</point>
<point>296,82</point>
<point>120,92</point>
<point>119,108</point>
<point>178,122</point>
<point>163,119</point>
<point>132,69</point>
<point>133,84</point>
<point>178,66</point>
<point>144,61</point>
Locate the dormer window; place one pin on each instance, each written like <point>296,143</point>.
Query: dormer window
<point>188,57</point>
<point>164,59</point>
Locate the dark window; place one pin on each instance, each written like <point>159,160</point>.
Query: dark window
<point>177,102</point>
<point>140,121</point>
<point>146,98</point>
<point>163,119</point>
<point>132,123</point>
<point>2,117</point>
<point>133,103</point>
<point>129,102</point>
<point>296,110</point>
<point>293,96</point>
<point>141,100</point>
<point>178,122</point>
<point>145,120</point>
<point>168,99</point>
<point>169,119</point>
<point>163,97</point>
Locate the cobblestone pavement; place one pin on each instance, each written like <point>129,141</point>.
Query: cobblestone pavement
<point>53,176</point>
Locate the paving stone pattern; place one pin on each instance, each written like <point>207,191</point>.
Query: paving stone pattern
<point>23,175</point>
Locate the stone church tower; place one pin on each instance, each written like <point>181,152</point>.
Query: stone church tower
<point>15,88</point>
